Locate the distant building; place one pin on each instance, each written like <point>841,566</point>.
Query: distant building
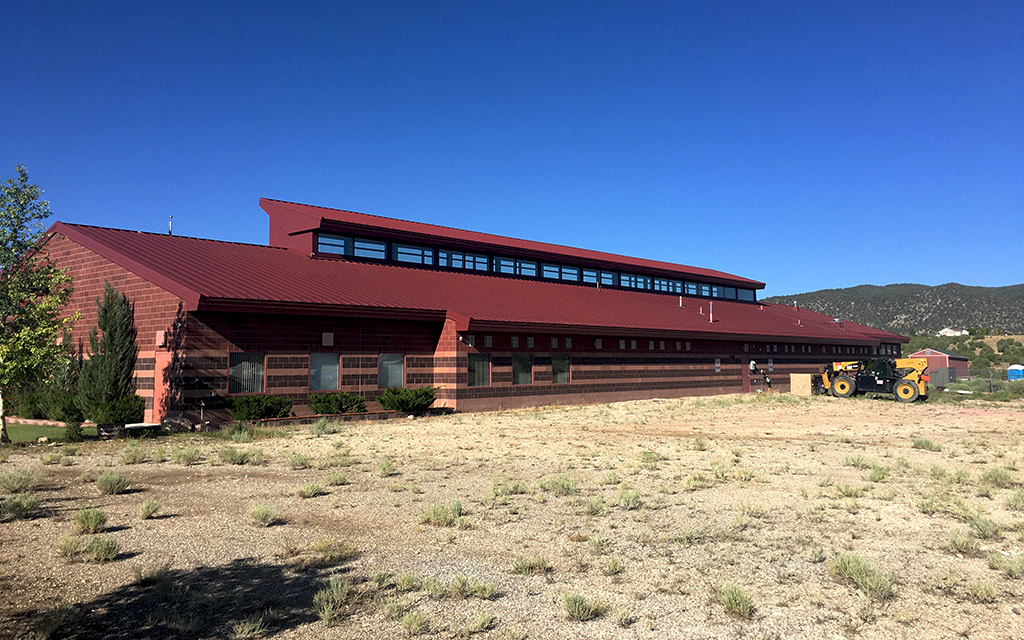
<point>952,333</point>
<point>938,360</point>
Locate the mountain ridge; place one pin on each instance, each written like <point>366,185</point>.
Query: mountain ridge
<point>909,308</point>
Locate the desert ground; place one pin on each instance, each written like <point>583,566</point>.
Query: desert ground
<point>766,516</point>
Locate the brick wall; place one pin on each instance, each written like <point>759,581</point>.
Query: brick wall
<point>193,369</point>
<point>155,308</point>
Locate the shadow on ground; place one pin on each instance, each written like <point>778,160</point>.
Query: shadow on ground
<point>206,602</point>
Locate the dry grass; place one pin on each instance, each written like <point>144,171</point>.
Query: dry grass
<point>635,519</point>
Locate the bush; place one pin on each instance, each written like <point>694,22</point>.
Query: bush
<point>73,432</point>
<point>19,506</point>
<point>331,601</point>
<point>252,455</point>
<point>60,405</point>
<point>735,600</point>
<point>414,401</point>
<point>30,406</point>
<point>329,403</point>
<point>185,455</point>
<point>258,407</point>
<point>112,482</point>
<point>100,549</point>
<point>581,609</point>
<point>149,508</point>
<point>126,410</point>
<point>90,521</point>
<point>263,515</point>
<point>872,582</point>
<point>19,480</point>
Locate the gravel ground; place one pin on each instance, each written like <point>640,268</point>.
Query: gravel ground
<point>759,491</point>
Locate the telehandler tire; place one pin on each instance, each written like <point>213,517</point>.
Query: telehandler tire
<point>843,387</point>
<point>905,391</point>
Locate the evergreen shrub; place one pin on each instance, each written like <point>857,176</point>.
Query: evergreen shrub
<point>343,402</point>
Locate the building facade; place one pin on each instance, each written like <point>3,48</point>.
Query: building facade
<point>346,301</point>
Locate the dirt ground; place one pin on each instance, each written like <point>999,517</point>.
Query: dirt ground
<point>645,509</point>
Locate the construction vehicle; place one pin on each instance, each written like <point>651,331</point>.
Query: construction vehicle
<point>904,378</point>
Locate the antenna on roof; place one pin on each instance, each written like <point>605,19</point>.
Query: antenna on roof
<point>711,312</point>
<point>170,226</point>
<point>680,302</point>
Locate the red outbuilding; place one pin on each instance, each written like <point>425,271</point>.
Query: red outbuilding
<point>938,359</point>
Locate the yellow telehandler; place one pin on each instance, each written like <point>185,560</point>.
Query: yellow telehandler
<point>904,378</point>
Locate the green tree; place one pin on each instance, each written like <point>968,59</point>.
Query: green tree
<point>108,375</point>
<point>33,292</point>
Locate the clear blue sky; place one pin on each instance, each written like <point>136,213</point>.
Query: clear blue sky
<point>783,141</point>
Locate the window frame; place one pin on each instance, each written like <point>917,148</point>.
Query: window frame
<point>527,357</point>
<point>469,369</point>
<point>337,374</point>
<point>380,359</point>
<point>263,372</point>
<point>568,367</point>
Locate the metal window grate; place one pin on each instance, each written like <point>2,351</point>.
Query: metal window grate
<point>246,373</point>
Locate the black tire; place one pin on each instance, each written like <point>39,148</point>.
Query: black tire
<point>843,387</point>
<point>905,391</point>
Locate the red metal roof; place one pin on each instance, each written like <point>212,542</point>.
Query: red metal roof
<point>209,274</point>
<point>289,218</point>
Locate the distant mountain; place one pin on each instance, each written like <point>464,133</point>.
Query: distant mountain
<point>918,308</point>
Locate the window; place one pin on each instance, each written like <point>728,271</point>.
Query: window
<point>560,369</point>
<point>470,339</point>
<point>479,370</point>
<point>245,374</point>
<point>488,341</point>
<point>679,345</point>
<point>391,370</point>
<point>687,346</point>
<point>690,288</point>
<point>323,372</point>
<point>413,255</point>
<point>632,344</point>
<point>771,365</point>
<point>554,343</point>
<point>529,342</point>
<point>589,276</point>
<point>334,244</point>
<point>522,368</point>
<point>460,260</point>
<point>661,345</point>
<point>597,343</point>
<point>747,295</point>
<point>669,286</point>
<point>718,365</point>
<point>363,248</point>
<point>633,281</point>
<point>515,267</point>
<point>568,343</point>
<point>650,345</point>
<point>515,342</point>
<point>560,272</point>
<point>622,344</point>
<point>705,290</point>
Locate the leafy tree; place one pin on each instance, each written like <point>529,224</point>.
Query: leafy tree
<point>33,291</point>
<point>108,375</point>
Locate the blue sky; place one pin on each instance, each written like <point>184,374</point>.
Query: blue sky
<point>807,144</point>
